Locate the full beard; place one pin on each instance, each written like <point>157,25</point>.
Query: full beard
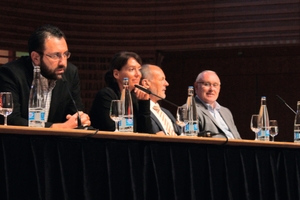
<point>49,74</point>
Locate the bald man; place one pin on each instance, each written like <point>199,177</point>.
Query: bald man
<point>163,122</point>
<point>212,116</point>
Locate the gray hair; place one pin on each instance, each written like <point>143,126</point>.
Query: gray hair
<point>146,72</point>
<point>200,75</point>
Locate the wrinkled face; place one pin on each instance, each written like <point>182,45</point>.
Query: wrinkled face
<point>52,67</point>
<point>131,71</point>
<point>158,83</point>
<point>208,87</point>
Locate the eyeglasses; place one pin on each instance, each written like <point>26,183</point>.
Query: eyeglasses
<point>58,56</point>
<point>207,84</point>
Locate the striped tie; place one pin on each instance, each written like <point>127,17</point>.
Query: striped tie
<point>164,118</point>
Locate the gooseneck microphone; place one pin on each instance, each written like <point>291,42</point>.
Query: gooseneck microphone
<point>149,92</point>
<point>65,82</point>
<point>285,104</point>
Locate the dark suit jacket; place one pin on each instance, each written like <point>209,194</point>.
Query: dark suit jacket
<point>17,76</point>
<point>99,113</point>
<point>156,125</point>
<point>208,123</point>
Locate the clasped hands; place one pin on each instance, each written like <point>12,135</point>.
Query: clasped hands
<point>72,121</point>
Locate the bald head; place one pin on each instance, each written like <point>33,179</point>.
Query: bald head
<point>154,79</point>
<point>207,86</point>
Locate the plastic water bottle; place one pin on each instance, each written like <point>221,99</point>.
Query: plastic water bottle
<point>297,124</point>
<point>36,107</point>
<point>263,118</point>
<point>191,129</point>
<point>126,123</point>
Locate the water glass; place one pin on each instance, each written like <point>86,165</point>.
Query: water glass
<point>116,112</point>
<point>273,129</point>
<point>255,125</point>
<point>182,117</point>
<point>6,105</point>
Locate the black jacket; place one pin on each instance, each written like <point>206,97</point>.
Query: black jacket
<point>99,113</point>
<point>157,127</point>
<point>17,76</point>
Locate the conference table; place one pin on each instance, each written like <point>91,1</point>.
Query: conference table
<point>44,163</point>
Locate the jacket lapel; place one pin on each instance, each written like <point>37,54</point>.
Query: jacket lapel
<point>156,121</point>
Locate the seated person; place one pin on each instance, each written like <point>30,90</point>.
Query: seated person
<point>163,122</point>
<point>123,65</point>
<point>49,50</point>
<point>212,116</point>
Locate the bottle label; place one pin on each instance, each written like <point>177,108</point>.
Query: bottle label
<point>36,116</point>
<point>194,127</point>
<point>187,128</point>
<point>31,116</point>
<point>126,125</point>
<point>263,133</point>
<point>42,116</point>
<point>129,122</point>
<point>297,136</point>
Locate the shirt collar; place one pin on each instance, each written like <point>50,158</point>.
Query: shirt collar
<point>208,106</point>
<point>153,104</point>
<point>48,84</point>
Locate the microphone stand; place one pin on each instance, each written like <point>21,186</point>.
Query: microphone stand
<point>78,117</point>
<point>285,104</point>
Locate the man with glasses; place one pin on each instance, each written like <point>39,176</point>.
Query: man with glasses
<point>212,116</point>
<point>48,49</point>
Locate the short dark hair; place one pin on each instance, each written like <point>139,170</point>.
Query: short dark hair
<point>37,39</point>
<point>118,61</point>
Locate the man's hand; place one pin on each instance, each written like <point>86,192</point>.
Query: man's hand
<point>72,121</point>
<point>160,133</point>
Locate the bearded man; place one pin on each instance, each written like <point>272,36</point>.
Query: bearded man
<point>48,49</point>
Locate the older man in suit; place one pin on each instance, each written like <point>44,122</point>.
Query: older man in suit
<point>212,116</point>
<point>163,122</point>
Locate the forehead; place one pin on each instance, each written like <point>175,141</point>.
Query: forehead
<point>210,77</point>
<point>157,72</point>
<point>54,44</point>
<point>131,62</point>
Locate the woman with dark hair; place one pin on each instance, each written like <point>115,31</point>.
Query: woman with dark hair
<point>123,64</point>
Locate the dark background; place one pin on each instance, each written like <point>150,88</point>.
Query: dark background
<point>253,45</point>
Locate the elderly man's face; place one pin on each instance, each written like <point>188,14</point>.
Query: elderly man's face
<point>158,83</point>
<point>208,87</point>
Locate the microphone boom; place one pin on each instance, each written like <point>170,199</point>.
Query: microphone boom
<point>149,92</point>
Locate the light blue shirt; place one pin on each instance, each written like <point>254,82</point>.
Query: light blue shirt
<point>215,113</point>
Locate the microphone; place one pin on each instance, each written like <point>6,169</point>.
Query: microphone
<point>206,134</point>
<point>285,103</point>
<point>78,117</point>
<point>149,92</point>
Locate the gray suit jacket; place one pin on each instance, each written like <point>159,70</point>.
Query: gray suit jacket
<point>156,125</point>
<point>208,123</point>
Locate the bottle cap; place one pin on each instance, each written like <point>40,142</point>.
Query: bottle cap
<point>125,78</point>
<point>191,87</point>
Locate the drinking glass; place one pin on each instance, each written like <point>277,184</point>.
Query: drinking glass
<point>255,125</point>
<point>116,112</point>
<point>182,117</point>
<point>6,105</point>
<point>273,129</point>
